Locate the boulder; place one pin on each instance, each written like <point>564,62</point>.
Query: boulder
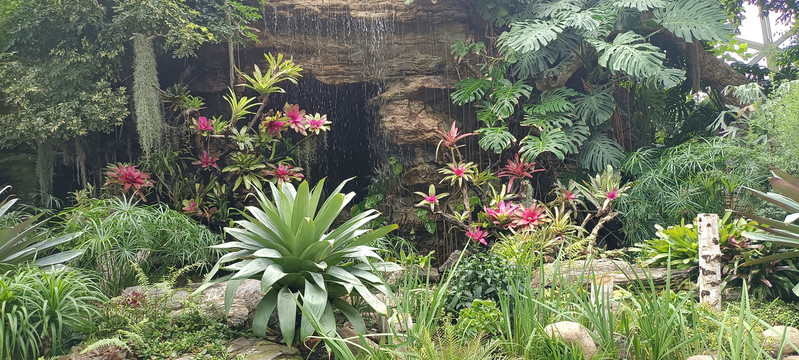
<point>622,272</point>
<point>573,333</point>
<point>773,339</point>
<point>244,302</point>
<point>259,349</point>
<point>109,352</point>
<point>347,332</point>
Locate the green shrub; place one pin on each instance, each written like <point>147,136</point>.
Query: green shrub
<point>480,276</point>
<point>287,244</point>
<point>120,232</point>
<point>481,318</point>
<point>40,311</point>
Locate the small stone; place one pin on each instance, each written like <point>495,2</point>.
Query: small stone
<point>348,332</point>
<point>573,333</point>
<point>259,349</point>
<point>773,339</point>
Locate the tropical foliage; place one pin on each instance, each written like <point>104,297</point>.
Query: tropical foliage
<point>287,243</point>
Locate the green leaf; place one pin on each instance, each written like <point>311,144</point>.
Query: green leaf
<point>595,107</point>
<point>287,314</point>
<point>553,141</point>
<point>314,301</point>
<point>230,292</point>
<point>531,35</point>
<point>599,151</point>
<point>642,5</point>
<point>703,20</point>
<point>352,314</point>
<point>263,312</point>
<point>629,53</point>
<point>272,274</point>
<point>506,96</point>
<point>469,90</point>
<point>555,101</point>
<point>495,139</point>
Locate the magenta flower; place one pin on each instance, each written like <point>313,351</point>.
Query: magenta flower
<point>273,124</point>
<point>203,124</point>
<point>528,217</point>
<point>452,136</point>
<point>129,178</point>
<point>458,172</point>
<point>569,196</point>
<point>477,234</point>
<point>284,173</point>
<point>317,123</point>
<point>207,161</point>
<point>613,194</point>
<point>431,198</point>
<point>502,213</point>
<point>189,205</point>
<point>518,169</point>
<point>296,118</point>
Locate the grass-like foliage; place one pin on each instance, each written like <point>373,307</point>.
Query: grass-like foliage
<point>41,310</point>
<point>118,232</point>
<point>287,243</point>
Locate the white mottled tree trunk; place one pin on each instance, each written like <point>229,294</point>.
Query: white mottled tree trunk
<point>709,260</point>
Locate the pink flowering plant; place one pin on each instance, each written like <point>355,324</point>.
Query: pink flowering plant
<point>499,206</point>
<point>232,154</point>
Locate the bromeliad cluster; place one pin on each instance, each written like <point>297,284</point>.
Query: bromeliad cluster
<point>240,152</point>
<point>490,205</point>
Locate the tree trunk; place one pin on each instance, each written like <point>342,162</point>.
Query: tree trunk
<point>44,167</point>
<point>709,261</point>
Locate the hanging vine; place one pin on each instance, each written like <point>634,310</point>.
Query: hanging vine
<point>147,104</point>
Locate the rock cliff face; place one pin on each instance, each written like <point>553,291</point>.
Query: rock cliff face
<point>398,54</point>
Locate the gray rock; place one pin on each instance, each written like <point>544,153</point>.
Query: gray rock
<point>773,339</point>
<point>260,349</point>
<point>621,271</point>
<point>242,308</point>
<point>573,333</point>
<point>347,331</point>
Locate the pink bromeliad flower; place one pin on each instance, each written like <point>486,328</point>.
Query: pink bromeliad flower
<point>528,217</point>
<point>477,234</point>
<point>502,213</point>
<point>569,196</point>
<point>284,173</point>
<point>207,161</point>
<point>452,136</point>
<point>296,118</point>
<point>613,194</point>
<point>317,123</point>
<point>190,206</point>
<point>273,124</point>
<point>203,124</point>
<point>431,198</point>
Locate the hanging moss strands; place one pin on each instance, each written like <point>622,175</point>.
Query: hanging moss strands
<point>147,105</point>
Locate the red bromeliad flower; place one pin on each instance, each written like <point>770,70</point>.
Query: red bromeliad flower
<point>518,169</point>
<point>190,206</point>
<point>613,194</point>
<point>452,136</point>
<point>273,124</point>
<point>128,178</point>
<point>203,124</point>
<point>207,161</point>
<point>284,172</point>
<point>569,196</point>
<point>296,117</point>
<point>431,198</point>
<point>502,213</point>
<point>528,217</point>
<point>477,234</point>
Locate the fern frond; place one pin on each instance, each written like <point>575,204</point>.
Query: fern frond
<point>106,342</point>
<point>599,151</point>
<point>700,19</point>
<point>469,90</point>
<point>595,107</point>
<point>506,96</point>
<point>553,141</point>
<point>531,35</point>
<point>630,53</point>
<point>495,139</point>
<point>642,5</point>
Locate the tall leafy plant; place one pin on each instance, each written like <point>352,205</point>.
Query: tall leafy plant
<point>287,243</point>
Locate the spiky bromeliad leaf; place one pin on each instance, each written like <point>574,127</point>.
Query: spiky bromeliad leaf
<point>642,5</point>
<point>595,107</point>
<point>555,101</point>
<point>599,151</point>
<point>506,96</point>
<point>553,141</point>
<point>630,53</point>
<point>700,19</point>
<point>495,139</point>
<point>531,35</point>
<point>469,90</point>
<point>286,243</point>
